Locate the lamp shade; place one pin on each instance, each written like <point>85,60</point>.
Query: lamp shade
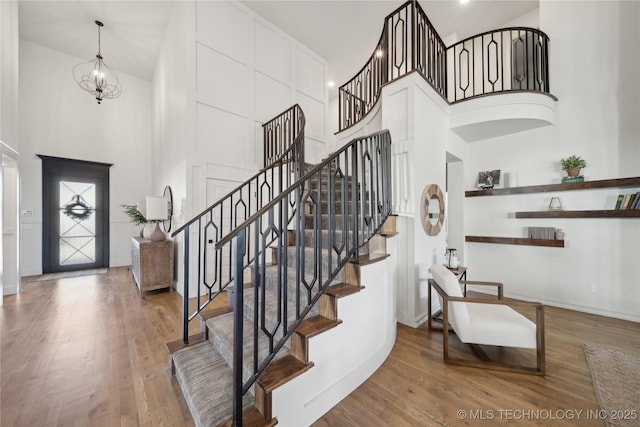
<point>157,209</point>
<point>142,208</point>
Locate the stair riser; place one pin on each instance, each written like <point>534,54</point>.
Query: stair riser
<point>309,266</point>
<point>337,207</point>
<point>271,313</point>
<point>221,337</point>
<point>322,189</point>
<point>271,274</point>
<point>324,221</point>
<point>310,238</point>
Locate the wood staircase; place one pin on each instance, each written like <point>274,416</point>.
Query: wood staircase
<point>203,368</point>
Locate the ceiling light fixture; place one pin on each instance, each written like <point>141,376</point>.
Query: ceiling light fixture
<point>331,83</point>
<point>96,77</point>
<point>464,1</point>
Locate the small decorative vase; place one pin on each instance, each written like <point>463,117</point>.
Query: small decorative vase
<point>573,172</point>
<point>555,204</point>
<point>148,229</point>
<point>157,235</point>
<point>559,234</point>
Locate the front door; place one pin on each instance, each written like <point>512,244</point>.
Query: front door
<point>75,203</point>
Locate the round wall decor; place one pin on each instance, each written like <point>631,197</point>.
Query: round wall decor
<point>432,209</point>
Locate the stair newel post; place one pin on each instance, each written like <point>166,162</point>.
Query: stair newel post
<point>185,290</point>
<point>238,312</point>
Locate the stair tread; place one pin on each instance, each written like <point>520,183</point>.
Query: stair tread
<point>207,384</point>
<point>395,233</point>
<point>315,325</point>
<point>341,290</point>
<point>281,371</point>
<point>367,259</point>
<point>210,312</point>
<point>251,417</point>
<point>176,345</point>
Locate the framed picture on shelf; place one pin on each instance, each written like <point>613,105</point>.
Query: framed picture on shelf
<point>489,179</point>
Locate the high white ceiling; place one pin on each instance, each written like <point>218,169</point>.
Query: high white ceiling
<point>343,32</point>
<point>131,36</point>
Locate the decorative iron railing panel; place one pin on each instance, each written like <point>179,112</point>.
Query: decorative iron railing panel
<point>281,135</point>
<point>430,53</point>
<point>510,59</point>
<point>350,190</point>
<point>210,268</point>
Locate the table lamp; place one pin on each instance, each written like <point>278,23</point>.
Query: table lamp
<point>157,210</point>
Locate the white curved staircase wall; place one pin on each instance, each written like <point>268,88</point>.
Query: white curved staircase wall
<point>345,356</point>
<point>497,115</point>
<point>371,123</point>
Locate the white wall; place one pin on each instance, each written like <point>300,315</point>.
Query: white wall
<point>594,65</point>
<point>222,73</point>
<point>418,120</point>
<point>58,119</point>
<point>10,236</point>
<point>247,71</point>
<point>9,143</point>
<point>9,73</point>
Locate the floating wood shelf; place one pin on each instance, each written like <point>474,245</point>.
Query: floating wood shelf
<point>587,185</point>
<point>515,241</point>
<point>627,213</point>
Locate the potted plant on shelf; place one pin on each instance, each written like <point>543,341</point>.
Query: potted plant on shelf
<point>573,164</point>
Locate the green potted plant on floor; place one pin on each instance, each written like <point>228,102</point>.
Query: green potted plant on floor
<point>573,164</point>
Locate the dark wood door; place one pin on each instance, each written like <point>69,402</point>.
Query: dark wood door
<point>75,206</point>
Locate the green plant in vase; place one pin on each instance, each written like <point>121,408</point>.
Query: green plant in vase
<point>135,216</point>
<point>573,164</point>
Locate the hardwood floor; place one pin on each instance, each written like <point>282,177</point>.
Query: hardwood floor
<point>88,351</point>
<point>415,387</point>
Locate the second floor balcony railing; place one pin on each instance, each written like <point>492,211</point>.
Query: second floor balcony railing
<point>504,60</point>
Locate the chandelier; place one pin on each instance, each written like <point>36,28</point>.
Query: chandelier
<point>96,77</point>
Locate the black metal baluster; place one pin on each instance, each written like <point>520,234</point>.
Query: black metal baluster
<point>185,290</point>
<point>238,314</point>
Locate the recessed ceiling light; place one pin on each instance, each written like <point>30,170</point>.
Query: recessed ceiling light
<point>464,1</point>
<point>331,83</point>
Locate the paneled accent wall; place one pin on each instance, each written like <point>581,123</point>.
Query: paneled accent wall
<point>224,71</point>
<point>247,71</point>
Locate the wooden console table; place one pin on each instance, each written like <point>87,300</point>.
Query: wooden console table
<point>152,264</point>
